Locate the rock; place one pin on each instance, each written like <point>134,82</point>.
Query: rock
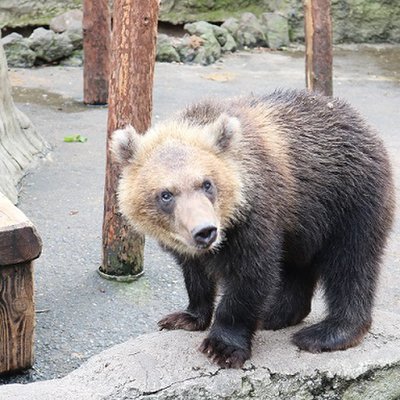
<point>74,60</point>
<point>250,33</point>
<point>230,44</point>
<point>18,52</point>
<point>223,36</point>
<point>199,28</point>
<point>203,49</point>
<point>19,141</point>
<point>210,51</point>
<point>70,20</point>
<point>207,50</point>
<point>70,23</point>
<point>50,46</point>
<point>15,13</point>
<point>188,48</point>
<point>276,29</point>
<point>231,25</point>
<point>167,365</point>
<point>166,51</point>
<point>181,11</point>
<point>366,21</point>
<point>75,36</point>
<point>205,28</point>
<point>355,20</point>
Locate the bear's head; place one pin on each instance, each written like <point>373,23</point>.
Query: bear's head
<point>181,182</point>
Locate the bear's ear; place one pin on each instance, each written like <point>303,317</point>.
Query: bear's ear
<point>124,143</point>
<point>226,131</point>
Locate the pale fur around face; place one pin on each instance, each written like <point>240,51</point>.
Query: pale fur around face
<point>178,157</point>
<point>123,144</point>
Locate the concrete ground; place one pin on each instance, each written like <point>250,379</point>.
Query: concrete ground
<point>78,313</point>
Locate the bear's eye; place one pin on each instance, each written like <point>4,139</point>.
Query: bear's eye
<point>166,196</point>
<point>207,186</point>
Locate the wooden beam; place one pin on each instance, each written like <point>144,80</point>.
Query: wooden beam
<point>130,102</point>
<point>318,37</point>
<point>19,245</point>
<point>19,240</point>
<point>17,317</point>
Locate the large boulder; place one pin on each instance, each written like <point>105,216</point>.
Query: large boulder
<point>19,141</point>
<point>167,365</point>
<point>205,46</point>
<point>18,51</point>
<point>70,23</point>
<point>203,28</point>
<point>276,29</point>
<point>50,46</point>
<point>166,51</point>
<point>250,32</point>
<point>70,20</point>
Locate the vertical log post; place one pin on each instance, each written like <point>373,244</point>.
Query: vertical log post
<point>96,46</point>
<point>130,101</point>
<point>19,245</point>
<point>318,35</point>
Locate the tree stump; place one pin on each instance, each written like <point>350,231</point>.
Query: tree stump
<point>19,142</point>
<point>19,245</point>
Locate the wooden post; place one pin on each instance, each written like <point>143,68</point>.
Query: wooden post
<point>318,35</point>
<point>19,245</point>
<point>130,101</point>
<point>96,46</point>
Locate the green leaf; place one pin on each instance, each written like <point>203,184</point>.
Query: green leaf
<point>75,138</point>
<point>82,139</point>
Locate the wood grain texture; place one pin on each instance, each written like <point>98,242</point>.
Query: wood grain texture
<point>96,45</point>
<point>19,141</point>
<point>17,317</point>
<point>130,102</point>
<point>19,240</point>
<point>318,35</point>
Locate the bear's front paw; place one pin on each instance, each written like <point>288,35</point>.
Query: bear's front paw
<point>224,354</point>
<point>183,320</point>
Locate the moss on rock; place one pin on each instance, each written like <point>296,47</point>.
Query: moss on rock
<point>15,13</point>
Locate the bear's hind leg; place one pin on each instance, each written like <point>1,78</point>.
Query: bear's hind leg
<point>292,302</point>
<point>348,268</point>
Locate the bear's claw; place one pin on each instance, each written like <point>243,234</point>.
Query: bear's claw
<point>223,354</point>
<point>182,320</point>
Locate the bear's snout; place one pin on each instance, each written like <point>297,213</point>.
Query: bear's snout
<point>205,235</point>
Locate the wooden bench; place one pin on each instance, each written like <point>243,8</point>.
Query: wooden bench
<point>19,245</point>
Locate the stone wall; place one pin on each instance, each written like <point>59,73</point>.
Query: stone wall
<point>19,141</point>
<point>354,20</point>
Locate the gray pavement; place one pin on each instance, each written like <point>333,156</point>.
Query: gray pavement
<point>79,313</point>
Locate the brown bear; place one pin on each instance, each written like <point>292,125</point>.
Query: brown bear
<point>263,197</point>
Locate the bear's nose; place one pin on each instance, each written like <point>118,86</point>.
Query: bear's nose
<point>204,236</point>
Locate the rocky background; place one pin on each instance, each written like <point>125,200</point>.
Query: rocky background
<point>224,26</point>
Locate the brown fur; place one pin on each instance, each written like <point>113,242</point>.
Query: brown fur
<point>175,148</point>
<point>267,196</point>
